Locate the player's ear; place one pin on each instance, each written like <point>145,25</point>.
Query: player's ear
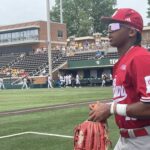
<point>132,33</point>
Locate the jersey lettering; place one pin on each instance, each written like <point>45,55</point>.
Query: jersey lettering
<point>147,81</point>
<point>119,92</point>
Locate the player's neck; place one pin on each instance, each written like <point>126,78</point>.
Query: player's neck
<point>124,49</point>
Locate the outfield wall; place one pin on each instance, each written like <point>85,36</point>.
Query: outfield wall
<point>104,62</point>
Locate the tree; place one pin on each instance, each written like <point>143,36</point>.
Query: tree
<point>83,16</point>
<point>75,15</point>
<point>148,12</point>
<point>101,8</point>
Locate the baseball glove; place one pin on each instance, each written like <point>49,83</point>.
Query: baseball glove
<point>91,136</point>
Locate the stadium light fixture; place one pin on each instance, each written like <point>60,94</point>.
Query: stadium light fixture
<point>49,37</point>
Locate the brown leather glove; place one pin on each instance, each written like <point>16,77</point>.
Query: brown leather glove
<point>91,136</point>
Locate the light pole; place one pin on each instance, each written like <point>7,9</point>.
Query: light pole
<point>49,37</point>
<point>61,12</point>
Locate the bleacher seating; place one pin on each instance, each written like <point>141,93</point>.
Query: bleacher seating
<point>14,50</point>
<point>82,56</point>
<point>112,55</point>
<point>6,59</point>
<point>33,63</point>
<point>91,55</point>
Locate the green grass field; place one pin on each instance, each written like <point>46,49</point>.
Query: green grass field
<point>60,121</point>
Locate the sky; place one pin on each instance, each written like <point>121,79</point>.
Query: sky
<point>18,11</point>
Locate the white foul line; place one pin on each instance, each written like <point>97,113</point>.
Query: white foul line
<point>12,135</point>
<point>37,133</point>
<point>50,134</point>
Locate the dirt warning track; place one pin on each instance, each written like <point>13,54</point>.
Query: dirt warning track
<point>47,108</point>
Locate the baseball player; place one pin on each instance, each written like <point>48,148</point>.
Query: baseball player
<point>49,82</point>
<point>62,81</point>
<point>131,82</point>
<point>77,80</point>
<point>103,80</point>
<point>25,85</point>
<point>66,80</point>
<point>2,83</point>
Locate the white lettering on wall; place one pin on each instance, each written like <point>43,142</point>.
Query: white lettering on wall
<point>113,61</point>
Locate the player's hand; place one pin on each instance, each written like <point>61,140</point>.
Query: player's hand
<point>99,112</point>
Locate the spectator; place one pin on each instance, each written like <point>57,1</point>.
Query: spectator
<point>99,55</point>
<point>63,51</point>
<point>44,72</point>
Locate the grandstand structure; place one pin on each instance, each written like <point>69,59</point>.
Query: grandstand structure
<point>23,53</point>
<point>30,36</point>
<point>146,36</point>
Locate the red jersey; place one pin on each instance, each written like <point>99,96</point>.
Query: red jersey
<point>131,84</point>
